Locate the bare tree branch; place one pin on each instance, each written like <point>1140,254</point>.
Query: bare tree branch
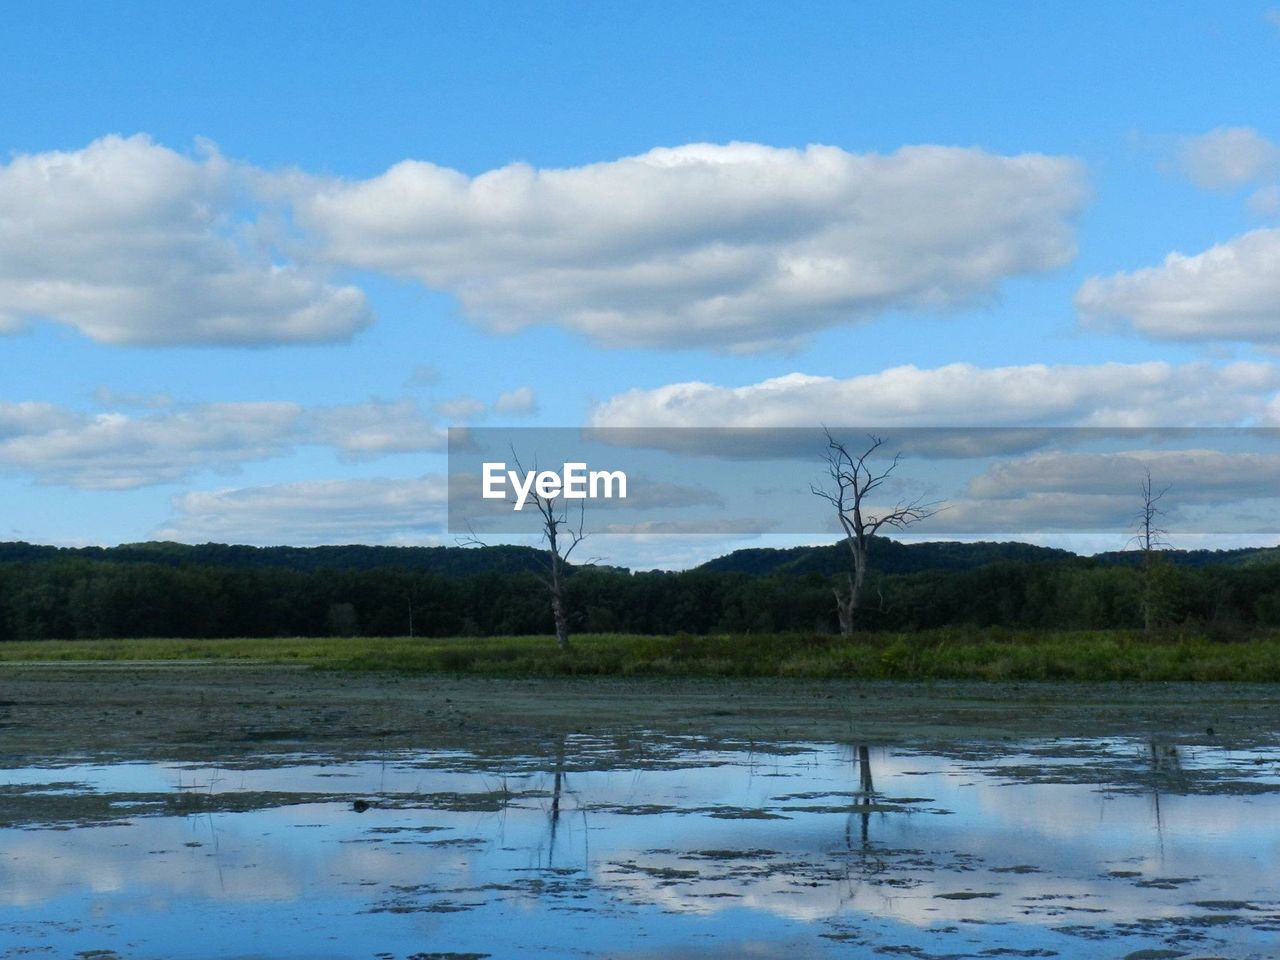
<point>853,478</point>
<point>1150,539</point>
<point>561,537</point>
<point>1150,535</point>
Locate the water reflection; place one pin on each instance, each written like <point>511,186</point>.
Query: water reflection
<point>1166,767</point>
<point>1086,848</point>
<point>867,787</point>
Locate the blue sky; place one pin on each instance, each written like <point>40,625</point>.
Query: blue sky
<point>882,186</point>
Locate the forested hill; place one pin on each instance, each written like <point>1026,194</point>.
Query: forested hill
<point>888,556</point>
<point>445,561</point>
<point>1247,557</point>
<point>214,590</point>
<point>891,557</point>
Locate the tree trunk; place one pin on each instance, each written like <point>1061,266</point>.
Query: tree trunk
<point>562,620</point>
<point>867,788</point>
<point>865,783</point>
<point>557,590</point>
<point>555,798</point>
<point>859,574</point>
<point>845,604</point>
<point>1147,599</point>
<point>849,598</point>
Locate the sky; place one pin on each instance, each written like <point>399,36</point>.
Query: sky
<point>255,259</point>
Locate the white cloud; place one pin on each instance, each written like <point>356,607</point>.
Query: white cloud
<point>1228,157</point>
<point>123,451</point>
<point>1198,475</point>
<point>117,451</point>
<point>27,417</point>
<point>424,375</point>
<point>1036,512</point>
<point>737,245</point>
<point>701,527</point>
<point>106,397</point>
<point>461,409</point>
<point>520,401</point>
<point>1264,202</point>
<point>132,243</point>
<point>1229,292</point>
<point>1109,394</point>
<point>374,428</point>
<point>1206,491</point>
<point>314,512</point>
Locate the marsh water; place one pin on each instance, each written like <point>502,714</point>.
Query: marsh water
<point>650,847</point>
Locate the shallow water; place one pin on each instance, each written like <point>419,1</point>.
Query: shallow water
<point>655,848</point>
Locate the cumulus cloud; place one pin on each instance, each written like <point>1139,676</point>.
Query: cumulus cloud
<point>1264,202</point>
<point>1037,512</point>
<point>736,245</point>
<point>313,512</point>
<point>117,451</point>
<point>373,429</point>
<point>700,527</point>
<point>424,375</point>
<point>130,242</point>
<point>29,417</point>
<point>1198,475</point>
<point>1229,292</point>
<point>520,401</point>
<point>461,409</point>
<point>120,451</point>
<point>1109,394</point>
<point>1228,157</point>
<point>106,397</point>
<point>1208,490</point>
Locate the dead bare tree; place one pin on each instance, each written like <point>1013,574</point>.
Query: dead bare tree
<point>1150,539</point>
<point>854,478</point>
<point>561,537</point>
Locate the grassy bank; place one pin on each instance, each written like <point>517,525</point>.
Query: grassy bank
<point>934,655</point>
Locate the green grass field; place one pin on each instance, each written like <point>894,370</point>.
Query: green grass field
<point>935,655</point>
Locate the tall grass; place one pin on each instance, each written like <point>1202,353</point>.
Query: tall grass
<point>931,655</point>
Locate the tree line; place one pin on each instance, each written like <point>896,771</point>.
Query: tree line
<point>68,594</point>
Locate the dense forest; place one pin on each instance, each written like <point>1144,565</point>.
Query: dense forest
<point>215,590</point>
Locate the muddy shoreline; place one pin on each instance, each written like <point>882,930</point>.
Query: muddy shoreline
<point>221,805</point>
<point>218,709</point>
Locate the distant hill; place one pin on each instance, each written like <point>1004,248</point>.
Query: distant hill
<point>446,561</point>
<point>1243,557</point>
<point>889,556</point>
